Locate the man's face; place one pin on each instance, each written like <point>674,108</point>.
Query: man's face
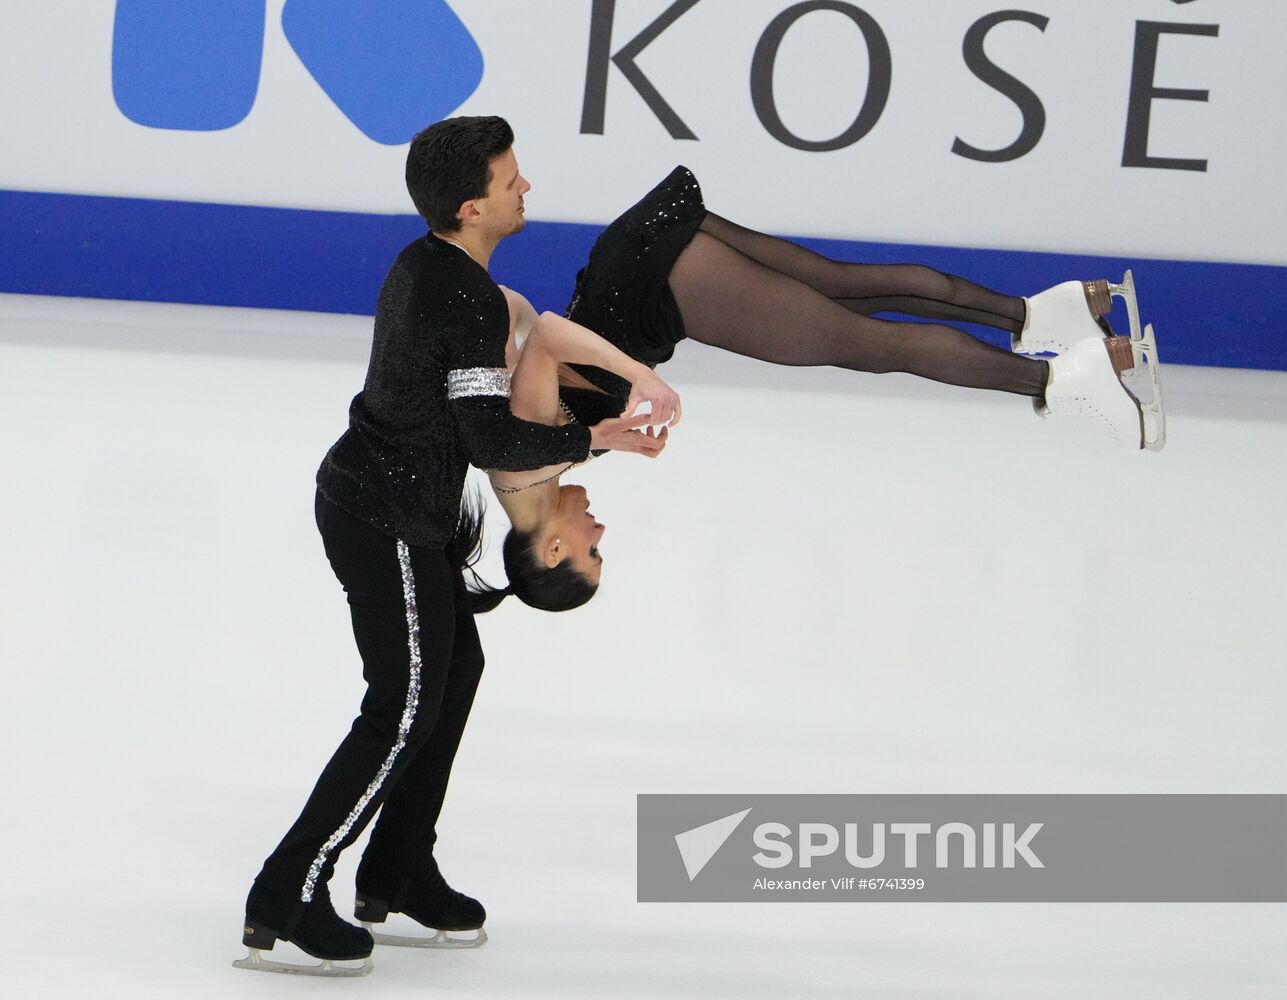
<point>502,208</point>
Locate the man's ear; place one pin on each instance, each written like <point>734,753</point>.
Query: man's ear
<point>468,212</point>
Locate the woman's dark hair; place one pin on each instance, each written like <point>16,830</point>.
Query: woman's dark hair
<point>536,585</point>
<point>449,163</point>
<point>558,589</point>
<point>464,550</point>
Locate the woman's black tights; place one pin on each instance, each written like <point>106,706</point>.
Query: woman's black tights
<point>766,298</point>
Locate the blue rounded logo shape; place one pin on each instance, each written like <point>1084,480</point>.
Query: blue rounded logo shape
<point>192,66</point>
<point>391,67</point>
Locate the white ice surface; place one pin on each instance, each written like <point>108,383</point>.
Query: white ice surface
<point>830,583</point>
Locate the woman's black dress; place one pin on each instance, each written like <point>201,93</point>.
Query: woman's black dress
<point>623,293</point>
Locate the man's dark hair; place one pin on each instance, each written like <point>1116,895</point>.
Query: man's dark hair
<point>449,164</point>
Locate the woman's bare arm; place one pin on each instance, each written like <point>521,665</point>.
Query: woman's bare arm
<point>549,340</point>
<point>534,388</point>
<point>522,317</point>
<point>572,343</point>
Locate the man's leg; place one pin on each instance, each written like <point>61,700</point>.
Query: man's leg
<point>398,872</point>
<point>402,607</point>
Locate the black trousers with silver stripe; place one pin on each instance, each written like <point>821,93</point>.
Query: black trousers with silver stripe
<point>422,661</point>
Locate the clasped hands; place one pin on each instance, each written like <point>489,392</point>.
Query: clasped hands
<point>635,431</point>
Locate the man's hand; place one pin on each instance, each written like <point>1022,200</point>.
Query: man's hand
<point>623,434</point>
<point>649,388</point>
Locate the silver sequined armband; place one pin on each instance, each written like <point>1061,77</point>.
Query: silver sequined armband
<point>464,382</point>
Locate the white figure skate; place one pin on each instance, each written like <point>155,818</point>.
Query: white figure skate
<point>1086,381</point>
<point>1060,317</point>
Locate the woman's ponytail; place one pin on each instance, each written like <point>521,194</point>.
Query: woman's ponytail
<point>476,595</point>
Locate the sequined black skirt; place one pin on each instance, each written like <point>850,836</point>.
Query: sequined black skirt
<point>623,292</point>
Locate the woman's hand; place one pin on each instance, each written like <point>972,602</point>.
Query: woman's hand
<point>647,387</point>
<point>623,434</point>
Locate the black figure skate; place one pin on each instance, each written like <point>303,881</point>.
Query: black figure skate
<point>314,928</point>
<point>429,901</point>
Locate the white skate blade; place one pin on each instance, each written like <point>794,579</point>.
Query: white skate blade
<point>1144,352</point>
<point>326,968</point>
<point>438,939</point>
<point>1126,292</point>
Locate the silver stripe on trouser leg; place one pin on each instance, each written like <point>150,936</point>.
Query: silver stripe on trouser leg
<point>404,727</point>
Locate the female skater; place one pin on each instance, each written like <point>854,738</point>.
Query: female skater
<point>667,269</point>
<point>551,554</point>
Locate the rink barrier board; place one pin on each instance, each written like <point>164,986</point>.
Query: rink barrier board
<point>1206,313</point>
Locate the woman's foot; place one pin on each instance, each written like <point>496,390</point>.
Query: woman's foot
<point>1061,316</point>
<point>1087,381</point>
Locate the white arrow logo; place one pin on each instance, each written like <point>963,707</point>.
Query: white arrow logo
<point>698,845</point>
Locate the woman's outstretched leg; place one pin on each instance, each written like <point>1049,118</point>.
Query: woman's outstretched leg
<point>873,288</point>
<point>731,301</point>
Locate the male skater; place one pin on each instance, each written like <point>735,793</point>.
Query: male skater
<point>388,507</point>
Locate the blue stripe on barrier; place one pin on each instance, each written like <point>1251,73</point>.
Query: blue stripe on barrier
<point>1228,315</point>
